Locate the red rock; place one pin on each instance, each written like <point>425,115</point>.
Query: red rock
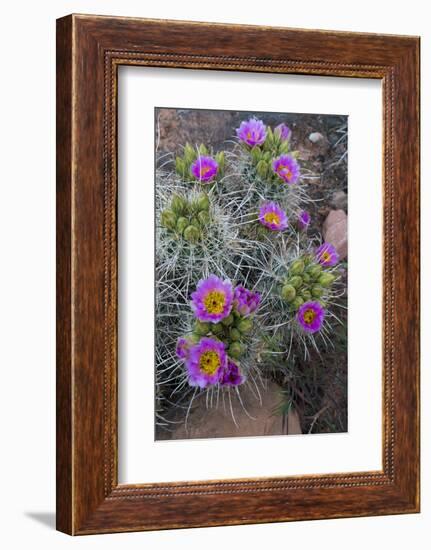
<point>335,231</point>
<point>217,421</point>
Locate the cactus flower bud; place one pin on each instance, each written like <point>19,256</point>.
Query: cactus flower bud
<point>204,218</point>
<point>194,338</point>
<point>256,155</point>
<point>306,295</point>
<point>262,169</point>
<point>201,328</point>
<point>297,267</point>
<point>297,302</point>
<point>203,202</point>
<point>217,328</point>
<point>245,326</point>
<point>283,148</point>
<point>306,278</point>
<point>182,223</point>
<point>178,205</point>
<point>235,350</point>
<point>220,161</point>
<point>317,291</point>
<point>168,219</point>
<point>295,281</point>
<point>203,150</point>
<point>326,279</point>
<point>192,234</point>
<point>314,270</point>
<point>235,334</point>
<point>189,154</point>
<point>180,166</point>
<point>308,259</point>
<point>227,321</point>
<point>288,293</point>
<point>195,222</point>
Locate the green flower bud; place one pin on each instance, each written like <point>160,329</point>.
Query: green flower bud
<point>235,334</point>
<point>180,166</point>
<point>220,161</point>
<point>262,169</point>
<point>256,155</point>
<point>195,222</point>
<point>306,295</point>
<point>297,267</point>
<point>269,141</point>
<point>317,291</point>
<point>201,328</point>
<point>295,281</point>
<point>307,259</point>
<point>314,270</point>
<point>194,338</point>
<point>217,329</point>
<point>245,326</point>
<point>288,293</point>
<point>203,202</point>
<point>189,154</point>
<point>326,279</point>
<point>202,149</point>
<point>182,223</point>
<point>204,218</point>
<point>267,156</point>
<point>178,205</point>
<point>227,321</point>
<point>306,278</point>
<point>235,350</point>
<point>283,148</point>
<point>297,302</point>
<point>168,219</point>
<point>192,234</point>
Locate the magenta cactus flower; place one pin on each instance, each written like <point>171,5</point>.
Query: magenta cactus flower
<point>273,217</point>
<point>231,375</point>
<point>310,316</point>
<point>252,132</point>
<point>182,349</point>
<point>245,301</point>
<point>283,131</point>
<point>212,300</point>
<point>304,219</point>
<point>327,255</point>
<point>286,168</point>
<point>204,169</point>
<point>206,362</point>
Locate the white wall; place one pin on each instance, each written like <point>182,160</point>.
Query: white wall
<point>27,314</point>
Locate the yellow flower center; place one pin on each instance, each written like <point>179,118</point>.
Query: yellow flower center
<point>285,172</point>
<point>209,362</point>
<point>272,217</point>
<point>326,256</point>
<point>309,316</point>
<point>205,170</point>
<point>215,301</point>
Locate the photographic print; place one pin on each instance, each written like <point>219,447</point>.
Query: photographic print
<point>250,273</point>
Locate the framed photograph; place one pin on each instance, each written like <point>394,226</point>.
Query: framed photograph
<point>237,274</point>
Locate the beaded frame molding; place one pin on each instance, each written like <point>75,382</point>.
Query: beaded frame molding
<point>89,51</point>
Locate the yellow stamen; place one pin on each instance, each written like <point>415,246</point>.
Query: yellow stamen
<point>272,217</point>
<point>309,316</point>
<point>209,362</point>
<point>326,256</point>
<point>215,301</point>
<point>285,172</point>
